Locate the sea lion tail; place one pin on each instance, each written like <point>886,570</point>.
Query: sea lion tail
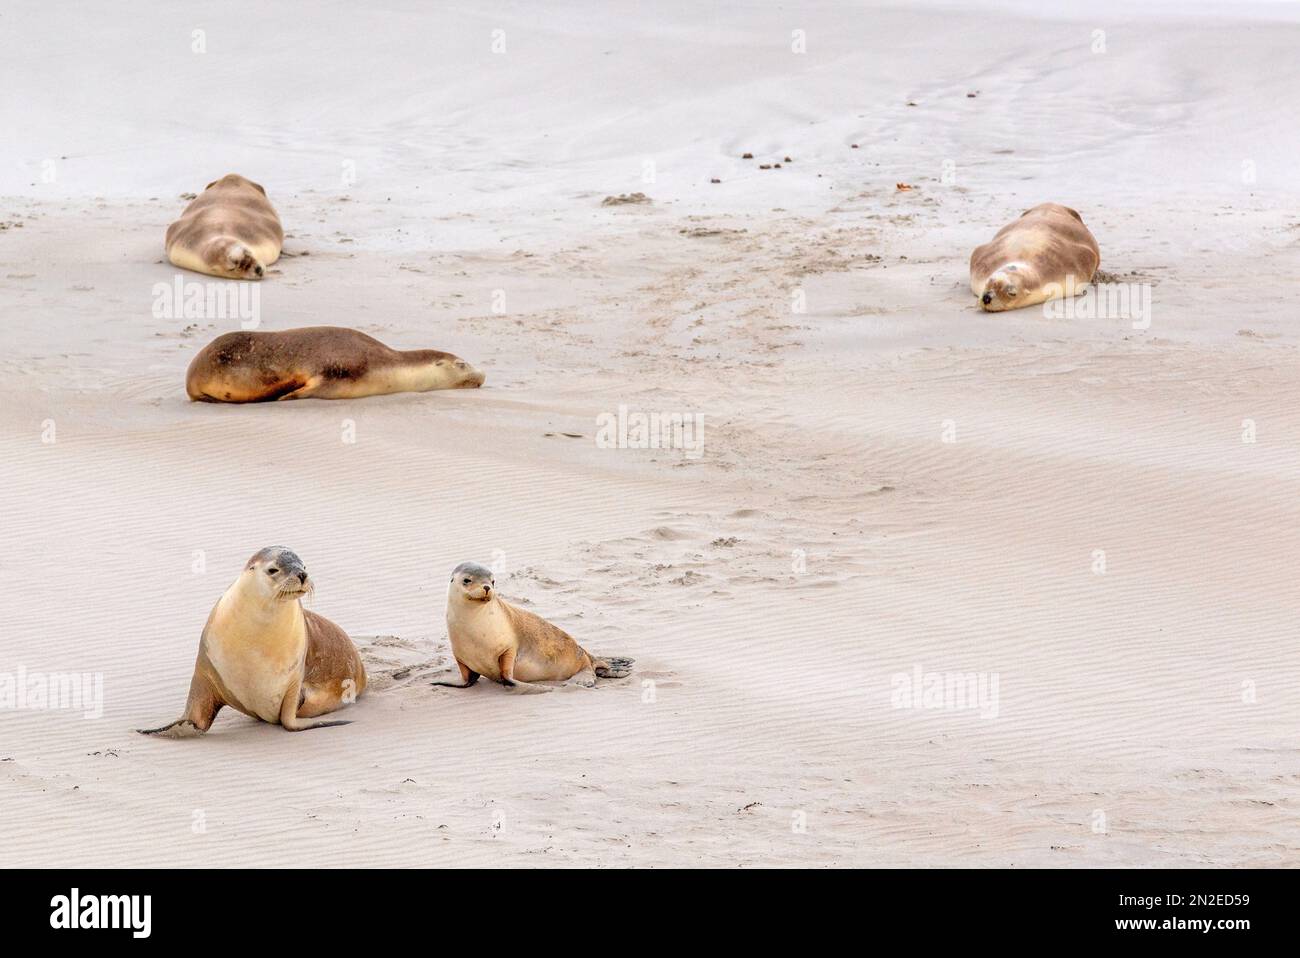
<point>613,666</point>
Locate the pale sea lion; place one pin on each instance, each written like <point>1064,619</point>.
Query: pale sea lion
<point>491,637</point>
<point>265,655</point>
<point>229,230</point>
<point>1046,254</point>
<point>325,362</point>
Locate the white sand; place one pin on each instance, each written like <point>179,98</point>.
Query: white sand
<point>1119,695</point>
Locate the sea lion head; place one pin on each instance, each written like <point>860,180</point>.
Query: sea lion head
<point>235,180</point>
<point>276,574</point>
<point>471,582</point>
<point>467,376</point>
<point>457,373</point>
<point>232,259</point>
<point>1005,288</point>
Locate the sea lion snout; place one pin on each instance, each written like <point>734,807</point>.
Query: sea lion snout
<point>226,256</point>
<point>289,571</point>
<point>241,264</point>
<point>472,581</point>
<point>472,378</point>
<point>1001,291</point>
<point>282,570</point>
<point>290,578</point>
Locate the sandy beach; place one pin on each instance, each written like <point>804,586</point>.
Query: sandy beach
<point>1089,522</point>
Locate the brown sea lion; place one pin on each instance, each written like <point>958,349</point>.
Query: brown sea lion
<point>229,230</point>
<point>263,654</point>
<point>491,637</point>
<point>325,362</point>
<point>1046,254</point>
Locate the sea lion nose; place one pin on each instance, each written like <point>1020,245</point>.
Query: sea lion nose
<point>302,578</point>
<point>487,590</point>
<point>987,298</point>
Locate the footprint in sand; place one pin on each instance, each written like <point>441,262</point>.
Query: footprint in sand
<point>393,662</point>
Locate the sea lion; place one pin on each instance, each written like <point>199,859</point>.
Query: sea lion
<point>229,230</point>
<point>263,654</point>
<point>1046,254</point>
<point>491,637</point>
<point>327,362</point>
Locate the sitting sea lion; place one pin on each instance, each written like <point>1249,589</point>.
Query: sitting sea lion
<point>263,654</point>
<point>229,230</point>
<point>327,362</point>
<point>1046,254</point>
<point>491,637</point>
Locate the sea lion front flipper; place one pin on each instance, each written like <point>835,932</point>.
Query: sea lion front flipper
<point>201,709</point>
<point>181,728</point>
<point>308,387</point>
<point>467,678</point>
<point>284,389</point>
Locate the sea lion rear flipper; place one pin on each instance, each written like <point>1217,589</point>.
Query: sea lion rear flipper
<point>613,667</point>
<point>289,712</point>
<point>307,728</point>
<point>507,665</point>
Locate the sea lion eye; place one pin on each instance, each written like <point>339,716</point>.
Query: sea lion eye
<point>467,581</point>
<point>272,571</point>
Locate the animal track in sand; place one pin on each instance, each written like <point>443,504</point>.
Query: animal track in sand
<point>651,577</point>
<point>626,199</point>
<point>393,662</point>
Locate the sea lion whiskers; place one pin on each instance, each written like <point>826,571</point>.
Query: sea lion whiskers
<point>302,592</point>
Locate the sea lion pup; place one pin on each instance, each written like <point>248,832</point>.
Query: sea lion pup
<point>263,654</point>
<point>327,362</point>
<point>1046,254</point>
<point>228,230</point>
<point>491,637</point>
